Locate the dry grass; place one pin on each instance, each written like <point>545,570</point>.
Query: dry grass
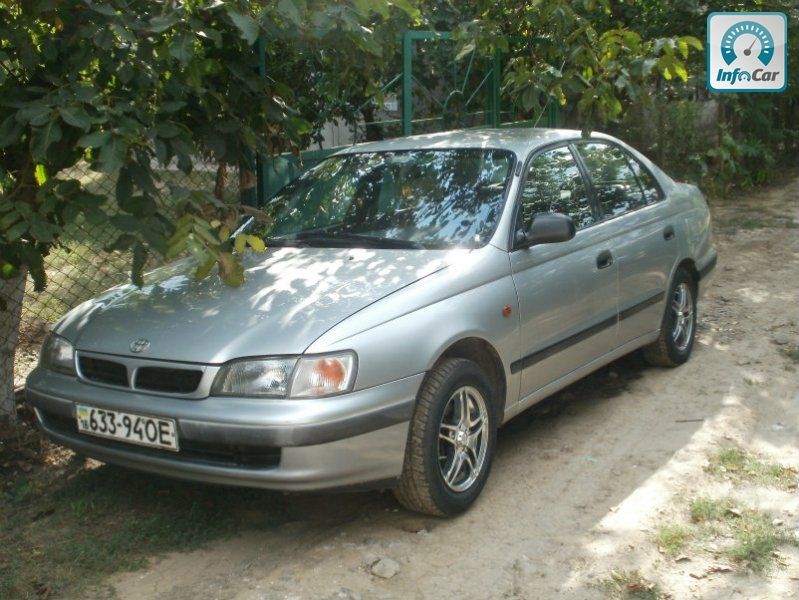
<point>741,466</point>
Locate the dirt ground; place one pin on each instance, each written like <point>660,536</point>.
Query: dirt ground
<point>582,482</point>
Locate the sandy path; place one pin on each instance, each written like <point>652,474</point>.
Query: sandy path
<point>579,483</point>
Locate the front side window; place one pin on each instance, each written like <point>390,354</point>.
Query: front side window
<point>614,181</point>
<point>554,184</point>
<point>414,198</point>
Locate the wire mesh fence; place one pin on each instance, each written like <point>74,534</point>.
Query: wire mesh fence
<point>80,267</point>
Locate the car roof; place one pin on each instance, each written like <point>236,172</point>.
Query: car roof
<point>518,140</point>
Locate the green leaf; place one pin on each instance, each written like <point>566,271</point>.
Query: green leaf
<point>8,271</point>
<point>15,232</point>
<point>256,243</point>
<point>103,9</point>
<point>126,223</point>
<point>161,23</point>
<point>167,130</point>
<point>407,7</point>
<point>35,261</point>
<point>8,220</point>
<point>139,205</point>
<point>10,131</point>
<point>155,239</point>
<point>40,174</point>
<point>122,242</point>
<point>290,10</point>
<point>240,243</point>
<point>465,50</point>
<point>34,115</point>
<point>204,269</point>
<point>113,154</point>
<point>41,230</point>
<point>96,139</point>
<point>42,138</point>
<point>182,47</point>
<point>693,42</point>
<point>124,187</point>
<point>246,25</point>
<point>76,116</point>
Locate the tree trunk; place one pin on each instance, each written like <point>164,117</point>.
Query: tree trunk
<point>248,186</point>
<point>12,291</point>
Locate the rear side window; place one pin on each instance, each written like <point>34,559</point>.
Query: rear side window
<point>554,184</point>
<point>647,180</point>
<point>614,180</point>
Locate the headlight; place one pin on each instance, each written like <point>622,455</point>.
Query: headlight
<point>257,377</point>
<point>313,376</point>
<point>57,355</point>
<point>317,376</point>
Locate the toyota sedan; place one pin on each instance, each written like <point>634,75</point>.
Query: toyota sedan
<point>415,294</point>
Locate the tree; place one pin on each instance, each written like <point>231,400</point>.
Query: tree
<point>128,87</point>
<point>577,53</point>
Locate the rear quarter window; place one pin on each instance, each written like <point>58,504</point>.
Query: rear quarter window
<point>614,181</point>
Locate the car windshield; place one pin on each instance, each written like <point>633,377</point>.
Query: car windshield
<point>408,199</point>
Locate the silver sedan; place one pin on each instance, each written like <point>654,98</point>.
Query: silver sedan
<point>415,294</point>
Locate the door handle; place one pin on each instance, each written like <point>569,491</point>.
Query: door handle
<point>668,233</point>
<point>604,259</point>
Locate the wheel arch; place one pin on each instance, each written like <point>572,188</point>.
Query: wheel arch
<point>690,266</point>
<point>487,358</point>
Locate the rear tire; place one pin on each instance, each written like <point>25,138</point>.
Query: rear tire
<point>678,327</point>
<point>451,440</point>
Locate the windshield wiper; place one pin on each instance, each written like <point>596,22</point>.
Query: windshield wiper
<point>340,237</point>
<point>284,241</point>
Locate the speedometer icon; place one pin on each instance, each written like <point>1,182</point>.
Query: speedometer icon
<point>753,34</point>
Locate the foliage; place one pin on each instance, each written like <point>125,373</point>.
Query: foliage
<point>577,53</point>
<point>635,68</point>
<point>130,86</point>
<point>754,133</point>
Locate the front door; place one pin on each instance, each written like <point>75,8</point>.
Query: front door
<point>567,291</point>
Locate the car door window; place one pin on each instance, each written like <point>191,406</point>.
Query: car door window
<point>615,183</point>
<point>554,184</point>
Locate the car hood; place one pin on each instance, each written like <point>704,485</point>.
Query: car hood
<point>289,298</point>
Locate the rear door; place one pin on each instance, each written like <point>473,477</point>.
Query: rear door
<point>567,291</point>
<point>644,235</point>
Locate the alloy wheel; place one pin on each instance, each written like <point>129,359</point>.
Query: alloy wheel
<point>682,306</point>
<point>463,438</point>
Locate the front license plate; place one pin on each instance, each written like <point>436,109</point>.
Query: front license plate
<point>135,429</point>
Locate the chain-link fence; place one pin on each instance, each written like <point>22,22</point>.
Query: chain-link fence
<point>79,268</point>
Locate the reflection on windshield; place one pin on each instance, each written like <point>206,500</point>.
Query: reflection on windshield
<point>416,198</point>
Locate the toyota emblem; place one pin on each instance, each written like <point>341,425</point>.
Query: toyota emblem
<point>139,345</point>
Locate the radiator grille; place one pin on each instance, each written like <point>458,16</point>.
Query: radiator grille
<point>163,379</point>
<point>103,371</point>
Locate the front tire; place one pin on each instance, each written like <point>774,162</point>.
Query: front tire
<point>451,440</point>
<point>678,328</point>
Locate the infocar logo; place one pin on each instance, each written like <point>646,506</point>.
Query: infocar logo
<point>747,52</point>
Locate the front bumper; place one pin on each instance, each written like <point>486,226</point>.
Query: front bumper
<point>355,439</point>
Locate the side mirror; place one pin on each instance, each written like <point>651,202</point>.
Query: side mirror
<point>546,228</point>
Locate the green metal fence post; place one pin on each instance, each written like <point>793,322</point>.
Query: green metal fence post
<point>407,83</point>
